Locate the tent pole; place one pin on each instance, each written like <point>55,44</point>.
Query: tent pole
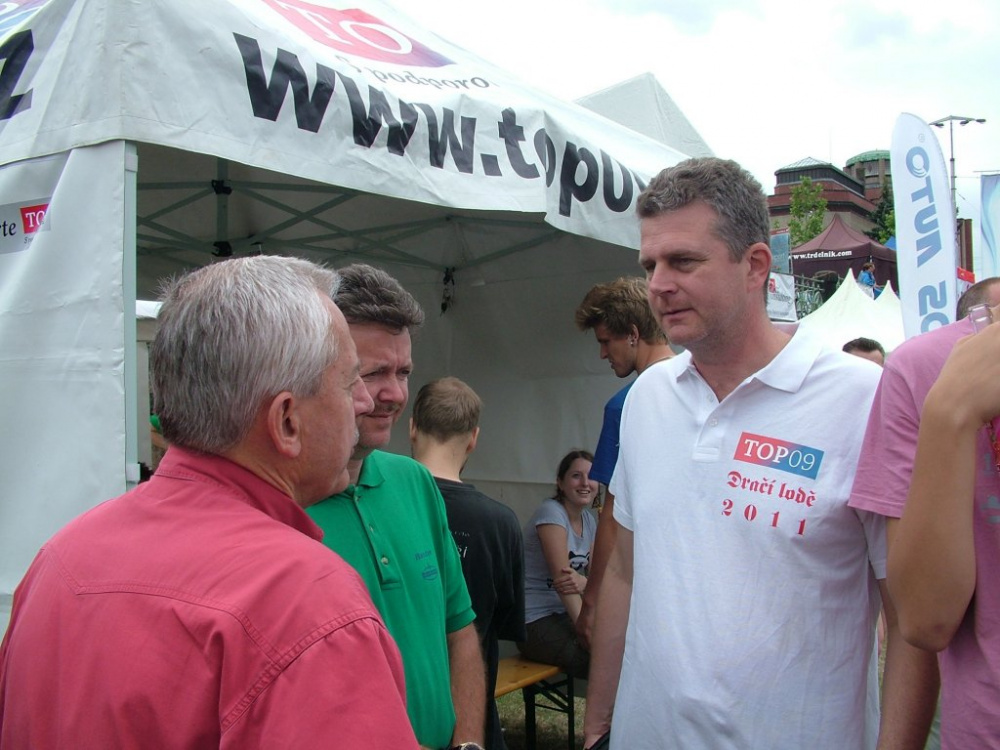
<point>222,191</point>
<point>133,390</point>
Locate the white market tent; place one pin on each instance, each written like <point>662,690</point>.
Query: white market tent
<point>643,105</point>
<point>138,139</point>
<point>851,314</point>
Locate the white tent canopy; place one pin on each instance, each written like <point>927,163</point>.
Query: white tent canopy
<point>851,314</point>
<point>138,139</point>
<point>642,104</point>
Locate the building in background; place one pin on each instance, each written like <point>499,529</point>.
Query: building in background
<point>872,170</point>
<point>844,194</point>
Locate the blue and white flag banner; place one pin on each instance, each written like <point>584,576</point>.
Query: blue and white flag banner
<point>925,227</point>
<point>986,253</point>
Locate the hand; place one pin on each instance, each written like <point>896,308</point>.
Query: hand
<point>569,582</point>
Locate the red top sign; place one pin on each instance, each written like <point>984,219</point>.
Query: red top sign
<point>355,32</point>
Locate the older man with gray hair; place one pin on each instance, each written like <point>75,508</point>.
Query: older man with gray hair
<point>201,610</point>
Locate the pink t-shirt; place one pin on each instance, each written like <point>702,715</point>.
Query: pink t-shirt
<point>198,611</point>
<point>970,666</point>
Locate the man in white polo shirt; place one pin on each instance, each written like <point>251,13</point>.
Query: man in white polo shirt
<point>739,606</point>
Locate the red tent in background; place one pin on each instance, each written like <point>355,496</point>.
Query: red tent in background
<point>839,248</point>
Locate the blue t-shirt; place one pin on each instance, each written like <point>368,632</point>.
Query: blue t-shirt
<point>606,455</point>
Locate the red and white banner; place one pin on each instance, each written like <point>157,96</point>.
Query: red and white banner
<point>781,297</point>
<point>61,338</point>
<point>925,227</point>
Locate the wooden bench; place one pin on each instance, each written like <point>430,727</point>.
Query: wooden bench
<point>534,680</point>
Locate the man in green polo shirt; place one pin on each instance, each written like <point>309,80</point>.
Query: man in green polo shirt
<point>390,524</point>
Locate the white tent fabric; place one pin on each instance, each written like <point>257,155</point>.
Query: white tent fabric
<point>851,314</point>
<point>294,127</point>
<point>643,105</point>
<point>63,342</point>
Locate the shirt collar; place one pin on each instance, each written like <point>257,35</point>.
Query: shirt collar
<point>371,472</point>
<point>789,368</point>
<point>238,483</point>
<point>787,371</point>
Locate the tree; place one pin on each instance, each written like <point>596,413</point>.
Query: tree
<point>884,216</point>
<point>807,208</point>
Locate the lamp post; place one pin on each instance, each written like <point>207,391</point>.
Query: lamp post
<point>951,119</point>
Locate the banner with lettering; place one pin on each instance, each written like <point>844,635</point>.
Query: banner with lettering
<point>354,95</point>
<point>987,251</point>
<point>781,297</point>
<point>925,227</point>
<point>61,336</point>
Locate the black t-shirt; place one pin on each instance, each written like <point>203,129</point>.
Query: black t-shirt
<point>488,536</point>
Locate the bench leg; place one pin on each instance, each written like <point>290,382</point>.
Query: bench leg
<point>529,717</point>
<point>570,707</point>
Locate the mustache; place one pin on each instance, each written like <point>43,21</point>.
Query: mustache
<point>385,411</point>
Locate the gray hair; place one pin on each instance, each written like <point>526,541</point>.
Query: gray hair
<point>370,295</point>
<point>735,195</point>
<point>232,335</point>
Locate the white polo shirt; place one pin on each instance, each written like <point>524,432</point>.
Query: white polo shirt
<point>754,599</point>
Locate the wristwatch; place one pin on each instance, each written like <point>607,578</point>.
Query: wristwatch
<point>467,746</point>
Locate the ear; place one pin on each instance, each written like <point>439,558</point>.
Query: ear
<point>634,333</point>
<point>758,257</point>
<point>413,431</point>
<point>472,441</point>
<point>284,424</point>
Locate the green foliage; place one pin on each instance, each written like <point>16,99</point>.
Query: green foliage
<point>884,216</point>
<point>807,209</point>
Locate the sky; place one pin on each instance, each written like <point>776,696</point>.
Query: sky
<point>765,82</point>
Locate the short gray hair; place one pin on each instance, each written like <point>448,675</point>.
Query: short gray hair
<point>232,335</point>
<point>735,195</point>
<point>370,295</point>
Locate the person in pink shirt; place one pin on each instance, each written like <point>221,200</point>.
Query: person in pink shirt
<point>944,540</point>
<point>201,610</point>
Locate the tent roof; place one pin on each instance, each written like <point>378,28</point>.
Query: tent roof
<point>839,236</point>
<point>643,105</point>
<point>288,87</point>
<point>850,314</point>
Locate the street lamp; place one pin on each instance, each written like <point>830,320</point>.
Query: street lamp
<point>951,119</point>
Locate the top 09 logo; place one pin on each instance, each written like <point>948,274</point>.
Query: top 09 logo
<point>355,32</point>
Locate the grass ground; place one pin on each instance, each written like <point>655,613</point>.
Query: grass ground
<point>550,726</point>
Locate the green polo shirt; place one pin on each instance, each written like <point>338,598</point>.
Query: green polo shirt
<point>392,528</point>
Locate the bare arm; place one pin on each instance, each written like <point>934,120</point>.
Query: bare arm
<point>555,548</point>
<point>468,685</point>
<point>604,543</point>
<point>610,623</point>
<point>909,684</point>
<point>932,564</point>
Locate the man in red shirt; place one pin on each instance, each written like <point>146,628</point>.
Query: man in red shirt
<point>201,609</point>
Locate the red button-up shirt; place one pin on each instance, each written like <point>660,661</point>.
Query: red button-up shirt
<point>199,610</point>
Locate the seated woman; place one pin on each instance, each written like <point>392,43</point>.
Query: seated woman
<point>558,541</point>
